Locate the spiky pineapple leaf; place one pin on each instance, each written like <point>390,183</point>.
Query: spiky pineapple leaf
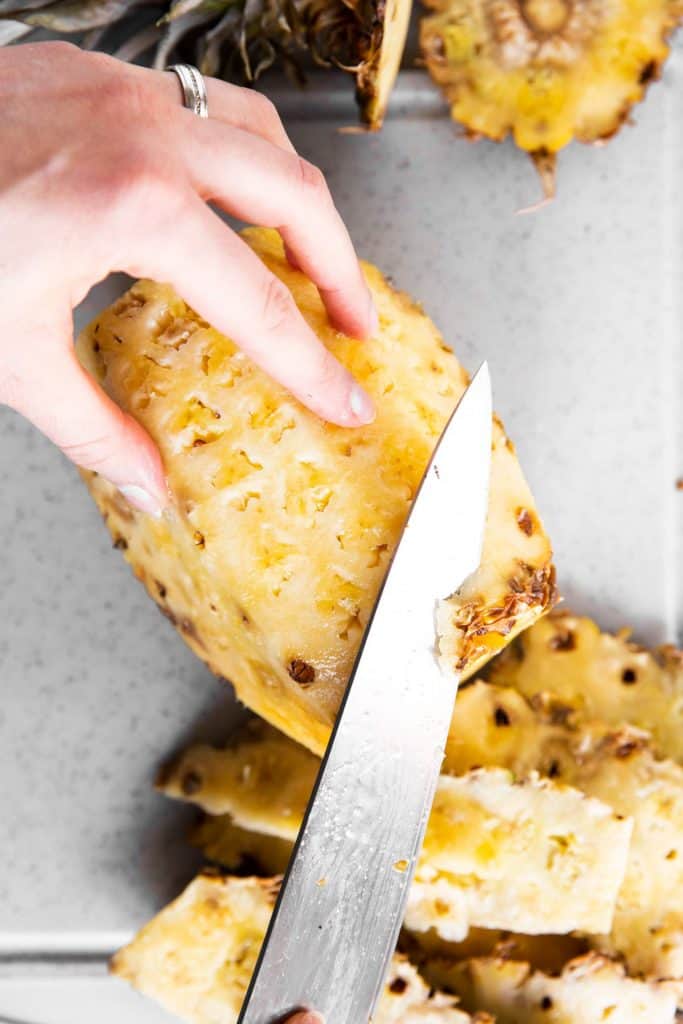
<point>78,15</point>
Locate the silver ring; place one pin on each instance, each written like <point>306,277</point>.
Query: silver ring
<point>193,86</point>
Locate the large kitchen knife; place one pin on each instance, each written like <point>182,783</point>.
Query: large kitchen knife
<point>336,923</point>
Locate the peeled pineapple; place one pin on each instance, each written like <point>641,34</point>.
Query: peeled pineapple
<point>196,958</point>
<point>528,855</point>
<point>282,526</point>
<point>600,675</point>
<point>590,990</point>
<point>547,71</point>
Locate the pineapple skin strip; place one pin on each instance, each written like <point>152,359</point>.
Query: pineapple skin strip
<point>282,526</point>
<point>600,676</point>
<point>497,726</point>
<point>197,955</point>
<point>590,990</point>
<point>531,856</point>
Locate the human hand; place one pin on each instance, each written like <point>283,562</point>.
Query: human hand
<point>307,1017</point>
<point>102,169</point>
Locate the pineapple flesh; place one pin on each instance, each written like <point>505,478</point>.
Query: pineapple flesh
<point>282,526</point>
<point>498,853</point>
<point>196,958</point>
<point>600,675</point>
<point>546,71</point>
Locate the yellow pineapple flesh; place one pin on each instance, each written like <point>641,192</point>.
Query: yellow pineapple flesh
<point>282,526</point>
<point>546,71</point>
<point>600,675</point>
<point>196,958</point>
<point>498,853</point>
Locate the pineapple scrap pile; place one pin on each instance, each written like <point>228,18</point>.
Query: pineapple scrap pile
<point>550,885</point>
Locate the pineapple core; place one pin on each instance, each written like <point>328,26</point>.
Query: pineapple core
<point>282,526</point>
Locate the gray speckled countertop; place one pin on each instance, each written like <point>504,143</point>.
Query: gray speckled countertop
<point>577,310</point>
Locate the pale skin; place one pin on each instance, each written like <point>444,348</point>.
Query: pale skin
<point>102,169</point>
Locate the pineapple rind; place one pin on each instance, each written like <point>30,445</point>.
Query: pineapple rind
<point>531,855</point>
<point>590,990</point>
<point>282,526</point>
<point>497,726</point>
<point>602,676</point>
<point>197,955</point>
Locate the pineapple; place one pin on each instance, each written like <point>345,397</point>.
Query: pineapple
<point>237,849</point>
<point>197,956</point>
<point>590,990</point>
<point>241,40</point>
<point>529,855</point>
<point>600,675</point>
<point>498,727</point>
<point>282,526</point>
<point>547,71</point>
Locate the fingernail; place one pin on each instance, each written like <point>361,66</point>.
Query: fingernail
<point>141,499</point>
<point>361,405</point>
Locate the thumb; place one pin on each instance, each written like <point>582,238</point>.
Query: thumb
<point>307,1017</point>
<point>64,402</point>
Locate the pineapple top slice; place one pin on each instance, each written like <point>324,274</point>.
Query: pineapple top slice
<point>196,958</point>
<point>282,526</point>
<point>528,855</point>
<point>590,990</point>
<point>600,675</point>
<point>547,71</point>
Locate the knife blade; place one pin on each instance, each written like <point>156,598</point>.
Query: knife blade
<point>336,922</point>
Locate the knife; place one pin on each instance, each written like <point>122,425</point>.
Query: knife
<point>338,915</point>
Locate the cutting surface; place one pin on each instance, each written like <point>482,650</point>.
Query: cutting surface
<point>576,309</point>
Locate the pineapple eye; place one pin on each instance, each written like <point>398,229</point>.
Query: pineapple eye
<point>191,783</point>
<point>301,672</point>
<point>398,986</point>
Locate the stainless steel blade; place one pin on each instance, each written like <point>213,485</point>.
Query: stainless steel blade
<point>337,920</point>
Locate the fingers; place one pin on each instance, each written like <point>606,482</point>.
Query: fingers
<point>242,108</point>
<point>220,276</point>
<point>66,404</point>
<point>307,1017</point>
<point>258,182</point>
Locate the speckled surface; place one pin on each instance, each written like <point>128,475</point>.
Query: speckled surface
<point>575,307</point>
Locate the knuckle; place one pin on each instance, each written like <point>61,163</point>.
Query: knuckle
<point>95,451</point>
<point>279,310</point>
<point>313,182</point>
<point>326,370</point>
<point>263,110</point>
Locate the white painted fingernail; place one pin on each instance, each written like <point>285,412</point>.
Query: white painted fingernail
<point>361,405</point>
<point>141,499</point>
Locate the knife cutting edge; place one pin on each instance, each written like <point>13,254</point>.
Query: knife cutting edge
<point>337,919</point>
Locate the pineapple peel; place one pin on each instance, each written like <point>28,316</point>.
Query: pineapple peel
<point>530,855</point>
<point>546,71</point>
<point>282,525</point>
<point>196,958</point>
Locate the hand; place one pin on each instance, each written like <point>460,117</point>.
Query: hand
<point>101,169</point>
<point>307,1017</point>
